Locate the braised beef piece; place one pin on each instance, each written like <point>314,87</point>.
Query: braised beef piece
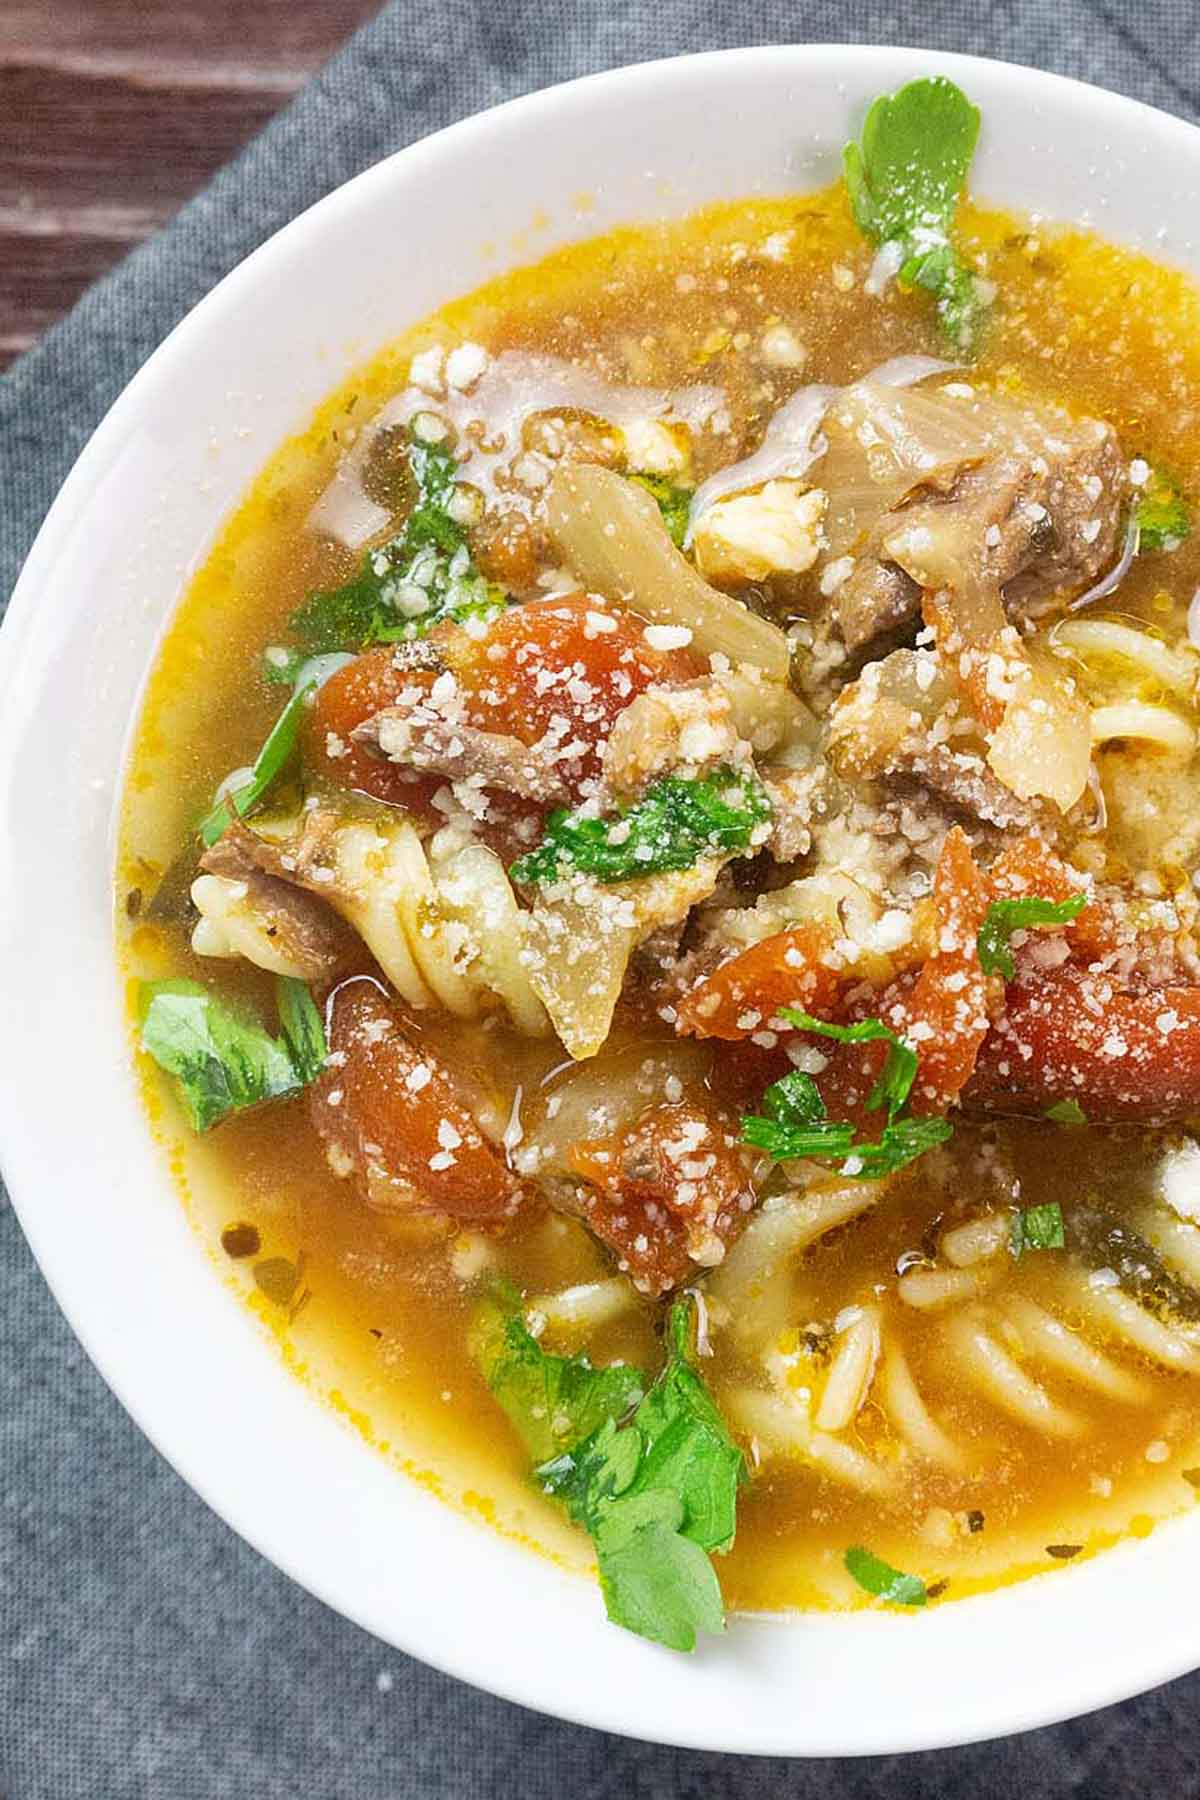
<point>1038,519</point>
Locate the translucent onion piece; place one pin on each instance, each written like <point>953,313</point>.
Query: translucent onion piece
<point>791,443</point>
<point>612,535</point>
<point>599,1098</point>
<point>580,937</point>
<point>1042,748</point>
<point>489,421</point>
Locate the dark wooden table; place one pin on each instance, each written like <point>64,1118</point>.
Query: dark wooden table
<point>113,112</point>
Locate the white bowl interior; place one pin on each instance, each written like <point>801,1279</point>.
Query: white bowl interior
<point>134,520</point>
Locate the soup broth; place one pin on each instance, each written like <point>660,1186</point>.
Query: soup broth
<point>982,1362</point>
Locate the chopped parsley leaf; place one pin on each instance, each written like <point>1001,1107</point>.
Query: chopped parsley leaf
<point>1066,1112</point>
<point>552,1401</point>
<point>880,1579</point>
<point>418,578</point>
<point>674,503</point>
<point>904,178</point>
<point>793,1120</point>
<point>1003,917</point>
<point>1161,514</point>
<point>657,1493</point>
<point>1038,1228</point>
<point>676,822</point>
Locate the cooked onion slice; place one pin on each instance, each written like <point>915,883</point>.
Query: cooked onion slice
<point>612,535</point>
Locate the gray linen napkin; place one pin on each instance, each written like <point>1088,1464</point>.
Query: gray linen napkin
<point>145,1652</point>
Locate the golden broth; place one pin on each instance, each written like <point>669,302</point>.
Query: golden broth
<point>377,1314</point>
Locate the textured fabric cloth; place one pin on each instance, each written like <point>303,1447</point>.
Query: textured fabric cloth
<point>146,1652</point>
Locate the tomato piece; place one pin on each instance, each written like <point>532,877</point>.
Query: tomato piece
<point>943,1009</point>
<point>743,995</point>
<point>561,668</point>
<point>350,697</point>
<point>1074,1036</point>
<point>666,1194</point>
<point>946,1016</point>
<point>1030,867</point>
<point>393,1109</point>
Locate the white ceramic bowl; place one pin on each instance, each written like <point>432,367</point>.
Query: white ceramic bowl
<point>136,516</point>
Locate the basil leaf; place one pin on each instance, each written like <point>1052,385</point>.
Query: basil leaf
<point>1003,917</point>
<point>904,178</point>
<point>795,1124</point>
<point>1066,1112</point>
<point>687,1446</point>
<point>794,1100</point>
<point>671,827</point>
<point>879,1578</point>
<point>302,1026</point>
<point>221,1061</point>
<point>674,503</point>
<point>553,1401</point>
<point>1038,1228</point>
<point>1160,513</point>
<point>270,762</point>
<point>418,578</point>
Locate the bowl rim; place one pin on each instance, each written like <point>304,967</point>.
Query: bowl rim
<point>1094,1684</point>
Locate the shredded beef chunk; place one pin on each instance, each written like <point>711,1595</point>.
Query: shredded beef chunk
<point>309,933</point>
<point>421,738</point>
<point>1037,518</point>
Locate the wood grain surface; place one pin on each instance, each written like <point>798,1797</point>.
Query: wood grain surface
<point>114,112</point>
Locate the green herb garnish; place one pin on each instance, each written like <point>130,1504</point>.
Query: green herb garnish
<point>674,503</point>
<point>879,1578</point>
<point>671,827</point>
<point>793,1121</point>
<point>270,763</point>
<point>1160,513</point>
<point>552,1401</point>
<point>657,1493</point>
<point>1003,917</point>
<point>1038,1228</point>
<point>1066,1112</point>
<point>221,1060</point>
<point>418,578</point>
<point>904,178</point>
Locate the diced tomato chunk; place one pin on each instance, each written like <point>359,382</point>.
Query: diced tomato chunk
<point>743,995</point>
<point>349,698</point>
<point>560,668</point>
<point>391,1107</point>
<point>666,1194</point>
<point>946,1014</point>
<point>1074,1036</point>
<point>1030,867</point>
